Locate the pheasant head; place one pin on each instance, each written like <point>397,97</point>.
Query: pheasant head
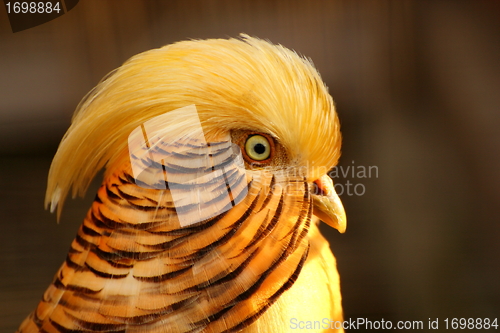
<point>216,155</point>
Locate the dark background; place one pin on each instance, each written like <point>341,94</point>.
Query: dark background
<point>416,85</point>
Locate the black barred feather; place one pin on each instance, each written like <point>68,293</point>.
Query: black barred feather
<point>174,265</point>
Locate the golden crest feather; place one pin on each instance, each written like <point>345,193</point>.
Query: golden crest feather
<point>234,83</point>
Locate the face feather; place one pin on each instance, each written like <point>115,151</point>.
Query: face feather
<point>235,84</point>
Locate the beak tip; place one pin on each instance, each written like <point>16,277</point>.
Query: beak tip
<point>342,227</point>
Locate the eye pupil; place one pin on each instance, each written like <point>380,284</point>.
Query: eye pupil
<point>259,148</point>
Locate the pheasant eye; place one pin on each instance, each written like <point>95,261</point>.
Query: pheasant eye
<point>258,147</point>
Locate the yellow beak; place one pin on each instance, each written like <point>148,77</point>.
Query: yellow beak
<point>327,205</point>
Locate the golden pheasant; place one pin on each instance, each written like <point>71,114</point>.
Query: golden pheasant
<point>215,155</point>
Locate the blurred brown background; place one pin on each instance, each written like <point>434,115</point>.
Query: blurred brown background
<point>417,87</point>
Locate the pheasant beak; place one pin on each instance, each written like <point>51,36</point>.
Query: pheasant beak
<point>327,204</point>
